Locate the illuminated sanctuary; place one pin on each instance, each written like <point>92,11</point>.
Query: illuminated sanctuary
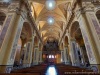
<point>49,37</point>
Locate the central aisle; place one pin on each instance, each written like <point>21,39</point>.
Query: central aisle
<point>51,70</point>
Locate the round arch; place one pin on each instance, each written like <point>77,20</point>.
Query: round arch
<point>79,48</point>
<point>66,41</point>
<point>74,27</point>
<point>98,15</point>
<point>36,41</point>
<point>2,19</point>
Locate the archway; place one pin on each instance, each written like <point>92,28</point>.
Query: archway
<point>98,15</point>
<point>79,45</point>
<point>2,19</point>
<point>51,52</point>
<point>66,41</point>
<point>26,35</point>
<point>17,57</point>
<point>66,45</point>
<point>36,41</point>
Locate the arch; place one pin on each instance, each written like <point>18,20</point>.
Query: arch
<point>26,35</point>
<point>79,48</point>
<point>26,31</point>
<point>40,46</point>
<point>66,41</point>
<point>36,41</point>
<point>74,27</point>
<point>45,17</point>
<point>61,46</point>
<point>18,50</point>
<point>98,15</point>
<point>2,19</point>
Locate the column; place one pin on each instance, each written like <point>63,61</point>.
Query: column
<point>62,56</point>
<point>40,56</point>
<point>28,55</point>
<point>36,55</point>
<point>90,28</point>
<point>9,36</point>
<point>73,52</point>
<point>22,54</point>
<point>67,55</point>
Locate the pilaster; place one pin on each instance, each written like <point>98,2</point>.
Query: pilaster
<point>90,28</point>
<point>10,34</point>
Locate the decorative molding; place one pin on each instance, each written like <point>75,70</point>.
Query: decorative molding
<point>4,4</point>
<point>13,7</point>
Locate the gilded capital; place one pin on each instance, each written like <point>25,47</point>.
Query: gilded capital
<point>13,7</point>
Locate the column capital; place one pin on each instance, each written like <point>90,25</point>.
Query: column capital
<point>87,8</point>
<point>72,39</point>
<point>13,7</point>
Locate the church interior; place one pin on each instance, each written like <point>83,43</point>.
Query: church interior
<point>49,37</point>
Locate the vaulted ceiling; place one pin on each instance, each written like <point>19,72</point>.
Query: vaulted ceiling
<point>50,17</point>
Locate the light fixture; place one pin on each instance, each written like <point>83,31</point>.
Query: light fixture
<point>50,20</point>
<point>50,4</point>
<point>52,56</point>
<point>51,70</point>
<point>49,56</point>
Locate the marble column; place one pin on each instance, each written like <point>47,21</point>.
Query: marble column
<point>28,55</point>
<point>67,55</point>
<point>10,35</point>
<point>36,55</point>
<point>40,56</point>
<point>87,22</point>
<point>62,56</point>
<point>73,52</point>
